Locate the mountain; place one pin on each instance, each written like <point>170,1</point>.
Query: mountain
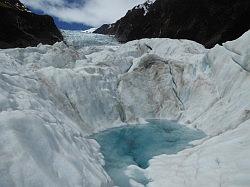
<point>205,21</point>
<point>21,28</point>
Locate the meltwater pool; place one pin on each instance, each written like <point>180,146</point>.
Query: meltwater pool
<point>137,144</point>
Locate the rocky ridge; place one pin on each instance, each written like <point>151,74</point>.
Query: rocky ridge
<point>21,28</point>
<point>205,21</point>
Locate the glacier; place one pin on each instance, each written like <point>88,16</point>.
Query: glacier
<point>52,98</point>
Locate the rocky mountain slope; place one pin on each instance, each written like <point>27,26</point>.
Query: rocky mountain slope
<point>205,21</point>
<point>21,28</point>
<point>53,97</point>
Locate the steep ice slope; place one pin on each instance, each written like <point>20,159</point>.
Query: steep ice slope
<point>213,95</point>
<point>216,99</point>
<point>154,86</point>
<point>53,96</point>
<point>39,144</point>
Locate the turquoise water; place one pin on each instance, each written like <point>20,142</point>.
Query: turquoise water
<point>136,144</point>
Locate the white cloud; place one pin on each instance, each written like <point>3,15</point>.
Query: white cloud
<point>90,12</point>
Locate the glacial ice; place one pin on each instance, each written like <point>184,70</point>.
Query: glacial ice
<point>79,39</point>
<point>53,97</point>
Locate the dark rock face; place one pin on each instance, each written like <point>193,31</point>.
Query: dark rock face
<point>205,21</point>
<point>104,29</point>
<point>14,4</point>
<point>20,28</point>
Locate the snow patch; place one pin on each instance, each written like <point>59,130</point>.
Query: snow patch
<point>145,6</point>
<point>91,30</point>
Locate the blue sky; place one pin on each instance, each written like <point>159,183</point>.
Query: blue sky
<point>64,25</point>
<point>82,14</point>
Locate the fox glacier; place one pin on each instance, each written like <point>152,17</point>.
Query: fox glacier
<point>58,102</point>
